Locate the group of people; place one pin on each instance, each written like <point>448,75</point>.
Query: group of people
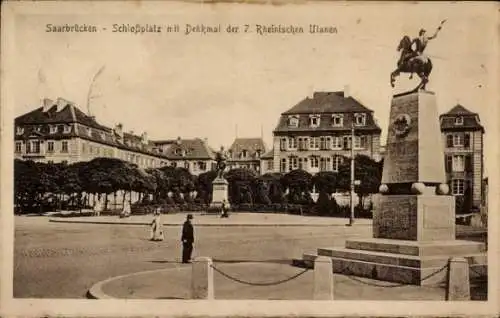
<point>99,207</point>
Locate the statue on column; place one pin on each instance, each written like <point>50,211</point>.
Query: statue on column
<point>220,159</point>
<point>414,60</point>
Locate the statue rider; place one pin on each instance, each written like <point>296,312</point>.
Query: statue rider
<point>220,158</point>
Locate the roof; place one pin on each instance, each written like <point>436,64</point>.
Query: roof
<point>470,120</point>
<point>459,110</point>
<point>251,145</point>
<point>188,149</point>
<point>268,155</point>
<point>327,102</point>
<point>325,105</point>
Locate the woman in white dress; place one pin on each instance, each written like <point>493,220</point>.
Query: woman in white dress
<point>126,210</point>
<point>156,227</point>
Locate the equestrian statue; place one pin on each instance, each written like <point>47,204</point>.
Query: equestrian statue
<point>414,60</point>
<point>220,159</point>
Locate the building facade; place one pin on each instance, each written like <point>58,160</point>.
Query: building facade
<point>246,153</point>
<point>315,134</point>
<point>60,132</point>
<point>462,135</point>
<point>192,154</point>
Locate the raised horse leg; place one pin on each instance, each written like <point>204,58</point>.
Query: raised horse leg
<point>393,76</point>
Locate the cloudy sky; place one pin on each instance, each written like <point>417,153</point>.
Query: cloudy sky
<point>204,85</point>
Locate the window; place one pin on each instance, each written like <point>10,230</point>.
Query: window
<point>202,165</point>
<point>89,131</point>
<point>347,142</point>
<point>179,152</point>
<point>19,146</point>
<point>336,142</point>
<point>337,162</point>
<point>293,163</point>
<point>35,146</point>
<point>457,186</point>
<point>314,121</point>
<point>50,146</point>
<point>293,121</point>
<point>292,143</point>
<point>38,128</point>
<point>64,146</point>
<point>458,140</point>
<point>283,165</point>
<point>186,164</point>
<point>102,135</point>
<point>257,153</point>
<point>283,144</point>
<point>243,154</point>
<point>67,129</point>
<point>459,120</point>
<point>302,163</point>
<point>174,164</point>
<point>322,143</point>
<point>28,147</point>
<point>458,164</point>
<point>359,119</point>
<point>19,130</point>
<point>301,143</point>
<point>270,164</point>
<point>314,143</point>
<point>314,162</point>
<point>322,164</point>
<point>52,129</point>
<point>337,120</point>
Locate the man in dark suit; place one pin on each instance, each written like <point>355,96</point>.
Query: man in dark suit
<point>187,239</point>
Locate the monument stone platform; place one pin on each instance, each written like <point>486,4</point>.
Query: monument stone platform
<point>219,194</point>
<point>414,217</point>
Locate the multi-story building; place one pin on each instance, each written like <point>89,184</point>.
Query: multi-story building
<point>192,154</point>
<point>267,162</point>
<point>246,153</point>
<point>462,134</point>
<point>315,134</point>
<point>59,131</point>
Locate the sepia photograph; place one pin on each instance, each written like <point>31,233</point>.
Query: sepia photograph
<point>249,158</point>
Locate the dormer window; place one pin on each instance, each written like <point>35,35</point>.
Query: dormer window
<point>89,131</point>
<point>67,129</point>
<point>38,128</point>
<point>257,153</point>
<point>19,130</point>
<point>102,136</point>
<point>179,152</point>
<point>243,154</point>
<point>337,120</point>
<point>293,121</point>
<point>459,120</point>
<point>360,119</point>
<point>314,121</point>
<point>52,129</point>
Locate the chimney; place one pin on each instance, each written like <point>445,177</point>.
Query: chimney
<point>178,140</point>
<point>144,137</point>
<point>47,104</point>
<point>347,91</point>
<point>61,103</point>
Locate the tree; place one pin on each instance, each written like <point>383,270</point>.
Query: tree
<point>299,183</point>
<point>204,186</point>
<point>241,182</point>
<point>367,170</point>
<point>325,181</point>
<point>275,189</point>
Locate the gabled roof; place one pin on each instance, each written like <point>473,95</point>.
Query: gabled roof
<point>251,145</point>
<point>327,102</point>
<point>459,110</point>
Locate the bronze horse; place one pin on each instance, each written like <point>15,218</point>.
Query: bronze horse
<point>412,64</point>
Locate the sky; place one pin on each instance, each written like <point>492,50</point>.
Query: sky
<point>219,86</point>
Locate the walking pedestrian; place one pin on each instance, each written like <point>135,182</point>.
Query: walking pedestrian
<point>224,212</point>
<point>156,227</point>
<point>187,239</point>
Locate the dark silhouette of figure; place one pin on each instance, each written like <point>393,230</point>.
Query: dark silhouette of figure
<point>224,212</point>
<point>187,239</point>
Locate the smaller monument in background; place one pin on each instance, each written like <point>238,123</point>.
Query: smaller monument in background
<point>220,184</point>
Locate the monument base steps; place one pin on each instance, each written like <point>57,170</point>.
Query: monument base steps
<point>406,262</point>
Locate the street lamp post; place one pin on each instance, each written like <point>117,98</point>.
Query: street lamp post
<point>352,181</point>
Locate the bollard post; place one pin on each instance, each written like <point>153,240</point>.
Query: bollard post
<point>202,278</point>
<point>323,278</point>
<point>458,288</point>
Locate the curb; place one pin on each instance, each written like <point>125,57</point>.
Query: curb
<point>205,224</point>
<point>96,292</point>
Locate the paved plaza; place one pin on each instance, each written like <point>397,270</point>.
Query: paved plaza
<point>64,260</point>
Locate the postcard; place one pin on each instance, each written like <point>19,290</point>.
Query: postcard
<point>186,158</point>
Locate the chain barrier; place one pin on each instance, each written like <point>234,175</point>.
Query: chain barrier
<point>259,284</point>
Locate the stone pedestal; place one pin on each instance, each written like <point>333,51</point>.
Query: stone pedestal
<point>202,278</point>
<point>414,218</point>
<point>219,194</point>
